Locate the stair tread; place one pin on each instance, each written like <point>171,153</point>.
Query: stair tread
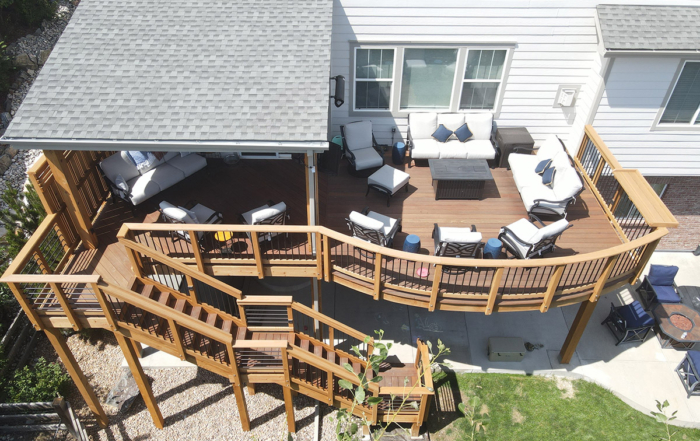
<point>241,332</point>
<point>163,298</point>
<point>318,351</point>
<point>226,325</point>
<point>196,311</point>
<point>305,345</point>
<point>148,290</point>
<point>330,356</point>
<point>180,305</point>
<point>356,367</point>
<point>211,319</point>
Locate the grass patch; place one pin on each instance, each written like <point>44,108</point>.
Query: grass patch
<point>538,408</point>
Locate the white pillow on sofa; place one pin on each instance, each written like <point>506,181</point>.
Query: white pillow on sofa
<point>480,124</point>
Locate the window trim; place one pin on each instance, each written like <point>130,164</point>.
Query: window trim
<point>392,80</point>
<point>657,125</point>
<point>463,49</point>
<point>499,81</point>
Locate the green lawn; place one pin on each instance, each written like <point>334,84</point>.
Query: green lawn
<point>538,408</point>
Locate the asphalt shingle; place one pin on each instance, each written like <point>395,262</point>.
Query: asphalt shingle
<point>185,70</point>
<point>661,28</point>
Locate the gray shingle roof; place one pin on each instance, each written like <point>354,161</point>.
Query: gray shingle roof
<point>661,28</point>
<point>185,70</point>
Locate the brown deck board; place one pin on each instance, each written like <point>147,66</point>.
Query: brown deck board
<point>235,189</point>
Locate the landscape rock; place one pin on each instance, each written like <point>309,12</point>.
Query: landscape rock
<point>5,162</point>
<point>22,60</point>
<point>5,119</point>
<point>43,56</point>
<point>11,151</point>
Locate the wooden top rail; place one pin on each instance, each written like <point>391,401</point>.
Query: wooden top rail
<point>216,227</point>
<point>602,148</point>
<point>156,308</point>
<point>655,212</point>
<point>266,300</point>
<point>258,344</point>
<point>405,390</point>
<point>425,358</point>
<point>32,244</point>
<point>50,278</point>
<point>331,322</point>
<point>327,366</point>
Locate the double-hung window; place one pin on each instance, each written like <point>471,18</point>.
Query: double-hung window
<point>424,77</point>
<point>683,105</point>
<point>374,78</point>
<point>482,79</point>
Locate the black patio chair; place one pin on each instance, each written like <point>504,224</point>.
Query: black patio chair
<point>629,323</point>
<point>687,371</point>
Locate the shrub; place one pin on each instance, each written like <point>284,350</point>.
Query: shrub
<point>22,217</point>
<point>42,382</point>
<point>33,12</point>
<point>6,69</point>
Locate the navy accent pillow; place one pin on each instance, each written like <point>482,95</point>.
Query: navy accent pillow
<point>542,166</point>
<point>548,176</point>
<point>662,275</point>
<point>442,133</point>
<point>463,133</point>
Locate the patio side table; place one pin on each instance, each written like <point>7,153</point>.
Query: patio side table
<point>411,244</point>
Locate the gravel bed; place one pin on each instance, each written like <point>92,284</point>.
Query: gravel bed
<point>195,403</point>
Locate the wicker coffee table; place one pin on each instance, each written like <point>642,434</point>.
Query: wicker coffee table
<point>459,178</point>
<point>678,326</point>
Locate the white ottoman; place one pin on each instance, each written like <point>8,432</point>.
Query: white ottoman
<point>388,180</point>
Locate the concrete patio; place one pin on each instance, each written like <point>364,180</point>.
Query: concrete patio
<point>637,373</point>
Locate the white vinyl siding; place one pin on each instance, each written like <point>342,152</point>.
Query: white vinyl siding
<point>634,94</point>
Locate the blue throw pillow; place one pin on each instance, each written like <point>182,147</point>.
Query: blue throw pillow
<point>442,133</point>
<point>542,166</point>
<point>548,176</point>
<point>463,133</point>
<point>662,275</point>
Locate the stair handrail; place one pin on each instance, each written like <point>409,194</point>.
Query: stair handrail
<point>328,321</point>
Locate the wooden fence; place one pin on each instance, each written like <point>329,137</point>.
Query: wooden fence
<point>41,417</point>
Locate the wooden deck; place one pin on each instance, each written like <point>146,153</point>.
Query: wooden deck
<point>235,189</point>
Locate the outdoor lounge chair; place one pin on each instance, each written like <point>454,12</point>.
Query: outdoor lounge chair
<point>373,227</point>
<point>658,286</point>
<point>457,242</point>
<point>524,239</point>
<point>629,323</point>
<point>687,371</point>
<point>191,213</point>
<point>360,147</point>
<point>268,214</point>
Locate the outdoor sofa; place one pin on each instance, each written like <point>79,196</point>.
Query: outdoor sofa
<point>135,186</point>
<point>422,144</point>
<point>538,198</point>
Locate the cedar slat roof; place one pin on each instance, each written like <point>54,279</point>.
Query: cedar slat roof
<point>207,70</point>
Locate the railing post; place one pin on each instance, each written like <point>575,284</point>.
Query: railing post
<point>327,258</point>
<point>177,338</point>
<point>329,385</point>
<point>552,287</point>
<point>646,255</point>
<point>319,256</point>
<point>377,275</point>
<point>106,307</point>
<point>257,254</point>
<point>194,241</point>
<point>134,258</point>
<point>63,300</point>
<point>331,337</point>
<point>437,278</point>
<point>493,292</point>
<point>191,288</point>
<point>287,392</point>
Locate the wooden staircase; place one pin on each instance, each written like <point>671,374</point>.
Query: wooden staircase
<point>265,345</point>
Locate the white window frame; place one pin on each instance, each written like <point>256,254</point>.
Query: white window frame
<point>372,80</point>
<point>499,81</point>
<point>458,83</point>
<point>658,125</point>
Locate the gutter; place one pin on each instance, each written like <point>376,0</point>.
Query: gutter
<point>167,145</point>
<point>611,53</point>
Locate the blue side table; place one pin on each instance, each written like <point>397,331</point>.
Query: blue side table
<point>492,249</point>
<point>411,244</point>
<point>398,153</point>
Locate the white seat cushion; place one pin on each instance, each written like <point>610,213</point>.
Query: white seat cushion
<point>358,135</point>
<point>458,235</point>
<point>422,125</point>
<point>367,158</point>
<point>532,193</point>
<point>426,149</point>
<point>389,178</point>
<point>365,221</point>
<point>480,124</point>
<point>142,188</point>
<point>453,150</point>
<point>550,230</point>
<point>524,230</point>
<point>388,223</point>
<point>550,148</point>
<point>188,164</point>
<point>566,183</point>
<point>204,214</point>
<point>452,121</point>
<point>115,165</point>
<point>263,212</point>
<point>523,168</point>
<point>165,176</point>
<point>479,149</point>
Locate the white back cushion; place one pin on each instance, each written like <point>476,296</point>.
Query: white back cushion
<point>550,147</point>
<point>458,235</point>
<point>422,125</point>
<point>115,165</point>
<point>365,221</point>
<point>550,230</point>
<point>358,135</point>
<point>266,213</point>
<point>452,121</point>
<point>566,183</point>
<point>480,124</point>
<point>176,213</point>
